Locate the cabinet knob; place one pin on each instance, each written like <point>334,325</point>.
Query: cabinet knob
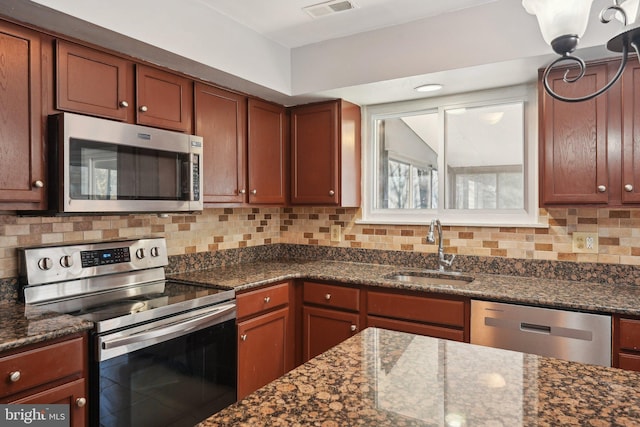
<point>243,337</point>
<point>353,328</point>
<point>327,297</point>
<point>38,184</point>
<point>602,188</point>
<point>628,188</point>
<point>254,191</point>
<point>123,104</point>
<point>243,191</point>
<point>332,193</point>
<point>14,376</point>
<point>80,402</point>
<point>267,300</point>
<point>144,108</point>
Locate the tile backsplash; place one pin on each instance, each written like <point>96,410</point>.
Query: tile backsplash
<point>231,228</point>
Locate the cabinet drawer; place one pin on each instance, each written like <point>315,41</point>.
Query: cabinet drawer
<point>416,308</point>
<point>630,362</point>
<point>416,328</point>
<point>630,334</point>
<point>332,296</point>
<point>260,300</point>
<point>41,366</point>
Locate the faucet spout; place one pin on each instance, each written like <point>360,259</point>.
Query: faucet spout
<point>443,262</point>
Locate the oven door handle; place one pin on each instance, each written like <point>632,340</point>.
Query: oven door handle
<point>169,331</point>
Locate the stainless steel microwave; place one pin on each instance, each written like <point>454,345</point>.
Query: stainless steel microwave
<point>102,166</point>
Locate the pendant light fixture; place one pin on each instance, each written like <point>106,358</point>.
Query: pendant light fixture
<point>563,22</point>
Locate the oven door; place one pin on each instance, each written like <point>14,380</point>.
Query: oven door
<point>173,372</point>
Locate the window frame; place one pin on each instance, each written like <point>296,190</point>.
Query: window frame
<point>528,216</point>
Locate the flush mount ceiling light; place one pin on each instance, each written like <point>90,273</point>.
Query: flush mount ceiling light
<point>563,22</point>
<point>432,87</point>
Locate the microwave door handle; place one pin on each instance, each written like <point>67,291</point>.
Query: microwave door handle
<point>178,329</point>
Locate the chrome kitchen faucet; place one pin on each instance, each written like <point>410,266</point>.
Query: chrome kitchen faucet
<point>443,262</point>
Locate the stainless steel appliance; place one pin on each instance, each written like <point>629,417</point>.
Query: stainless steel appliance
<point>162,353</point>
<point>98,165</point>
<point>568,335</point>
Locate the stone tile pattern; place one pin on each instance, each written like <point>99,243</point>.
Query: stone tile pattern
<point>353,384</point>
<point>234,228</point>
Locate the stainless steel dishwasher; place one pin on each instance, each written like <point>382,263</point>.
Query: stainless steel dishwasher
<point>568,335</point>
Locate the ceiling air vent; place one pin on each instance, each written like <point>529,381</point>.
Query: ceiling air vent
<point>329,7</point>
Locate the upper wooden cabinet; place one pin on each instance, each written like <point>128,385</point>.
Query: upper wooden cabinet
<point>573,149</point>
<point>325,154</point>
<point>588,150</point>
<point>164,100</point>
<point>631,133</point>
<point>93,82</point>
<point>99,84</point>
<point>22,174</point>
<point>221,119</point>
<point>267,154</point>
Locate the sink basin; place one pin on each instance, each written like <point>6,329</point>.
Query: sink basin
<point>431,277</point>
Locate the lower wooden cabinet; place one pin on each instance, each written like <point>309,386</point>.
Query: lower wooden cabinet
<point>72,394</point>
<point>435,316</point>
<point>324,328</point>
<point>265,336</point>
<point>48,373</point>
<point>626,343</point>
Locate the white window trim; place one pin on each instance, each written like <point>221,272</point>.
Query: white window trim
<point>527,217</point>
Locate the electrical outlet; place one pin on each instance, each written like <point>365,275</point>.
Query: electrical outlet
<point>586,243</point>
<point>336,233</point>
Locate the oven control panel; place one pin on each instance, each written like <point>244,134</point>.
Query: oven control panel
<point>105,256</point>
<point>49,264</point>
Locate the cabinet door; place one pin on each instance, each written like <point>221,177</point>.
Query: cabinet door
<point>416,328</point>
<point>92,82</point>
<point>631,133</point>
<point>164,100</point>
<point>325,328</point>
<point>315,138</point>
<point>267,153</point>
<point>22,183</point>
<point>221,119</point>
<point>573,142</point>
<point>73,394</point>
<point>263,350</point>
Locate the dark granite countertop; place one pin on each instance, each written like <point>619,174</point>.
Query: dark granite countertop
<point>581,296</point>
<point>385,378</point>
<point>21,325</point>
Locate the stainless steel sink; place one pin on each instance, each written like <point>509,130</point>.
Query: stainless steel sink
<point>431,277</point>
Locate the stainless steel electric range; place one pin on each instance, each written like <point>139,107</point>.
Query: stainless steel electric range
<point>163,353</point>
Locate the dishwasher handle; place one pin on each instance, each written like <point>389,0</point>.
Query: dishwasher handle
<point>532,327</point>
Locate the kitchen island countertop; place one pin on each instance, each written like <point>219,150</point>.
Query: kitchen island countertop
<point>385,378</point>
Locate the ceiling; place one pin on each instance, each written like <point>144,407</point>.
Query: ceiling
<point>286,22</point>
<point>376,53</point>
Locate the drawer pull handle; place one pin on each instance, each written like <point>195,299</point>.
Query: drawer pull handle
<point>80,402</point>
<point>327,297</point>
<point>602,188</point>
<point>628,188</point>
<point>353,328</point>
<point>267,300</point>
<point>123,104</point>
<point>243,337</point>
<point>38,183</point>
<point>144,108</point>
<point>14,376</point>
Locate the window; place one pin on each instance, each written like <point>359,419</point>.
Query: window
<point>468,159</point>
